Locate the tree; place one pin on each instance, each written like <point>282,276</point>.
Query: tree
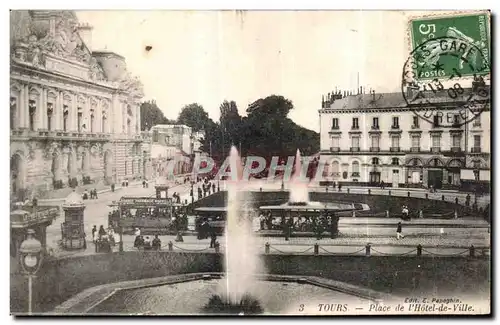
<point>152,115</point>
<point>194,116</point>
<point>265,132</point>
<point>230,123</point>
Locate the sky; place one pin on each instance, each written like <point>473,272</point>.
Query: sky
<point>211,56</point>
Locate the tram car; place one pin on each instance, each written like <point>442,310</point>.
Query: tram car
<point>150,215</point>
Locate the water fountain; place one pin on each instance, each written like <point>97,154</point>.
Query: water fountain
<point>242,260</point>
<point>244,288</point>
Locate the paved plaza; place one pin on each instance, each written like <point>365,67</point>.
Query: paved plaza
<point>382,239</point>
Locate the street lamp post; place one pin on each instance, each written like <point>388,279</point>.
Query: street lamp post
<point>30,258</point>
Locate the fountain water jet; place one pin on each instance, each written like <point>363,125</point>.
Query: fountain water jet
<point>299,193</point>
<point>242,261</point>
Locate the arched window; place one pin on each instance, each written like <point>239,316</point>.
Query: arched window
<point>335,168</point>
<point>50,112</point>
<point>13,112</point>
<point>375,161</point>
<point>79,119</point>
<point>355,168</point>
<point>65,118</point>
<point>395,161</point>
<point>92,121</point>
<point>104,123</point>
<point>32,112</point>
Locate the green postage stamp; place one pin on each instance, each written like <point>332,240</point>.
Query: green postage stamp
<point>471,28</point>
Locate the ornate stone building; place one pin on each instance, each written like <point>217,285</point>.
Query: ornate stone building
<point>371,138</point>
<point>74,112</point>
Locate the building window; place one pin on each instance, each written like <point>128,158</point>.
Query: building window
<point>79,121</point>
<point>375,141</point>
<point>375,123</point>
<point>50,111</point>
<point>32,112</point>
<point>476,164</point>
<point>355,124</point>
<point>335,123</point>
<point>355,168</point>
<point>415,122</point>
<point>395,141</point>
<point>436,141</point>
<point>395,122</point>
<point>455,140</point>
<point>437,121</point>
<point>477,121</point>
<point>65,118</point>
<point>155,136</point>
<point>375,161</point>
<point>103,123</point>
<point>92,123</point>
<point>335,142</point>
<point>456,119</point>
<point>355,142</point>
<point>477,141</point>
<point>13,112</point>
<point>415,141</point>
<point>335,168</point>
<point>395,161</point>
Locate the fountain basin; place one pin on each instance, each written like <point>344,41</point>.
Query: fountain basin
<point>190,293</point>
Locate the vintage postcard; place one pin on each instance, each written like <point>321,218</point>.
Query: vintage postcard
<point>326,163</point>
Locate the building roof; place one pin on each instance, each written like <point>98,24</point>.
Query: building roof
<point>382,100</point>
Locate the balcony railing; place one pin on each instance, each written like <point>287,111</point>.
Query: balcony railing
<point>395,149</point>
<point>355,174</point>
<point>335,174</point>
<point>476,149</point>
<point>415,149</point>
<point>335,127</point>
<point>375,127</point>
<point>435,149</point>
<point>353,149</point>
<point>354,127</point>
<point>63,135</point>
<point>335,149</point>
<point>456,149</point>
<point>395,127</point>
<point>374,149</point>
<point>415,126</point>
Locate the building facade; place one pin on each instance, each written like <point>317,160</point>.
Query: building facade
<point>372,138</point>
<point>74,112</point>
<point>171,142</point>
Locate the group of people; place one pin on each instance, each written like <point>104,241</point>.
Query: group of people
<point>145,184</point>
<point>146,243</point>
<point>90,195</point>
<point>103,234</point>
<point>205,230</point>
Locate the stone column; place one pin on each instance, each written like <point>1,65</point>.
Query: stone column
<point>138,118</point>
<point>21,110</point>
<point>43,124</point>
<point>124,118</point>
<point>98,117</point>
<point>114,118</point>
<point>57,113</point>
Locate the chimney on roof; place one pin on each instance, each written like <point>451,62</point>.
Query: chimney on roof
<point>322,101</point>
<point>373,94</point>
<point>335,89</point>
<point>361,89</point>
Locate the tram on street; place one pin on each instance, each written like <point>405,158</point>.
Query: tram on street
<point>149,214</point>
<point>216,218</point>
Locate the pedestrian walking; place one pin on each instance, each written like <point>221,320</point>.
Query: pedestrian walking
<point>94,231</point>
<point>399,231</point>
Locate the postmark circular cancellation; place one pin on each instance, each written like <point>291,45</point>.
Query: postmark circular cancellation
<point>435,88</point>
